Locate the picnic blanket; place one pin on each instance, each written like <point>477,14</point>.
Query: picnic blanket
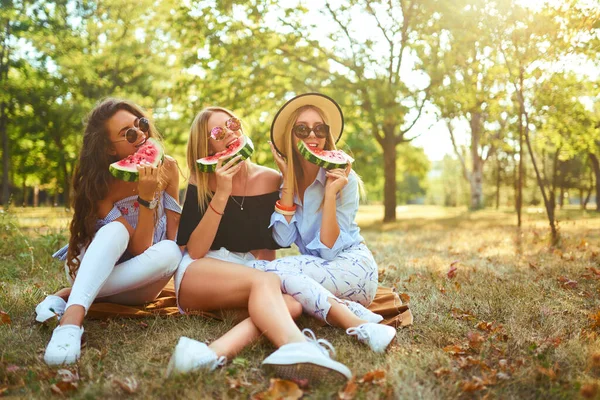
<point>387,303</point>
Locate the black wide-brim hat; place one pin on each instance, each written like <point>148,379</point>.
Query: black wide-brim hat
<point>331,109</point>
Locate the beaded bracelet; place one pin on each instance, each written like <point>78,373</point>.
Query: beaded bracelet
<point>212,208</point>
<point>285,208</point>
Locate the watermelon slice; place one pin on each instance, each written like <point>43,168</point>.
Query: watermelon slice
<point>126,169</point>
<point>328,159</point>
<point>242,145</point>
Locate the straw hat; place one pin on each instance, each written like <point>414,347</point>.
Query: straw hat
<point>331,109</point>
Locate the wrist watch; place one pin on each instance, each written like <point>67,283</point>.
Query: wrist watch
<point>148,204</point>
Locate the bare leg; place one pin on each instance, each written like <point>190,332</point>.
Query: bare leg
<point>339,315</point>
<point>246,332</point>
<point>64,293</point>
<point>211,284</point>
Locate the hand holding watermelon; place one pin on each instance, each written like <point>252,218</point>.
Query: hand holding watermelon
<point>148,180</point>
<point>225,174</point>
<point>337,179</point>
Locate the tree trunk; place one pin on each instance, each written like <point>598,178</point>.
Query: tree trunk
<point>497,182</point>
<point>5,155</point>
<point>476,176</point>
<point>549,201</point>
<point>24,188</point>
<point>36,196</point>
<point>596,167</point>
<point>389,191</point>
<point>4,66</point>
<point>520,177</point>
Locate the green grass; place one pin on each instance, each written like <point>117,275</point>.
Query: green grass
<point>540,342</point>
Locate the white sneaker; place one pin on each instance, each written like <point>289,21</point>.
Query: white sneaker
<point>378,337</point>
<point>362,312</point>
<point>52,306</point>
<point>310,361</point>
<point>191,355</point>
<point>64,346</point>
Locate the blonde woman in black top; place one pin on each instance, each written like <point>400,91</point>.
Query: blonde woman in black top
<point>224,228</point>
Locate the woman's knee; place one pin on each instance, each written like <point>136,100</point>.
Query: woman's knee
<point>113,231</point>
<point>170,254</point>
<point>268,279</point>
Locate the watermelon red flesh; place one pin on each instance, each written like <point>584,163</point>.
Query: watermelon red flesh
<point>328,159</point>
<point>242,146</point>
<point>126,169</point>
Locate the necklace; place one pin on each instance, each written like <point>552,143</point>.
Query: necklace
<point>243,198</point>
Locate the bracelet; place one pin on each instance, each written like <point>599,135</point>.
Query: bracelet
<point>285,208</point>
<point>212,208</point>
<point>284,212</point>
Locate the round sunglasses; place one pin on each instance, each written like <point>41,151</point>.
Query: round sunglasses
<point>131,135</point>
<point>303,131</point>
<point>218,132</point>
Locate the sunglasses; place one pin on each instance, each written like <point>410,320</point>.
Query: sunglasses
<point>303,131</point>
<point>218,132</point>
<point>131,135</point>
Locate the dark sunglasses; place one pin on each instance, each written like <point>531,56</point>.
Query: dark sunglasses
<point>131,135</point>
<point>218,132</point>
<point>303,131</point>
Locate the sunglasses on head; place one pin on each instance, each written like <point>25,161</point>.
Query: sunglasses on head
<point>303,131</point>
<point>131,135</point>
<point>218,132</point>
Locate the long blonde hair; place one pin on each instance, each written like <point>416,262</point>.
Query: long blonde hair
<point>198,148</point>
<point>294,165</point>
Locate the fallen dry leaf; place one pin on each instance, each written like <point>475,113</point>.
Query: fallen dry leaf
<point>462,314</point>
<point>452,272</point>
<point>455,350</point>
<point>595,320</point>
<point>12,368</point>
<point>237,383</point>
<point>589,390</point>
<point>66,375</point>
<point>473,385</point>
<point>280,390</point>
<point>129,384</point>
<point>63,387</point>
<point>551,373</point>
<point>4,318</point>
<point>405,298</point>
<point>441,372</point>
<point>595,360</point>
<point>349,391</point>
<point>376,377</point>
<point>566,282</point>
<point>475,340</point>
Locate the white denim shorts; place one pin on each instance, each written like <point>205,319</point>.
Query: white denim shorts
<point>222,254</point>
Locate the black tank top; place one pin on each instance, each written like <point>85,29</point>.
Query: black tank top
<point>240,230</point>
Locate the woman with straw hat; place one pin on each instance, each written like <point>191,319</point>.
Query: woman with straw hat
<point>316,212</point>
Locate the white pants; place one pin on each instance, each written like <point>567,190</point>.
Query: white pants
<point>312,281</point>
<point>133,282</point>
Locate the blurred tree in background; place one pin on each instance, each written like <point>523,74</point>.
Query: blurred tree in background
<point>515,83</point>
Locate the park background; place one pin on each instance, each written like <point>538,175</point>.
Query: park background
<point>475,125</point>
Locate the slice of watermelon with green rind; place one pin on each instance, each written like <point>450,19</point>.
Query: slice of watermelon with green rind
<point>126,169</point>
<point>241,146</point>
<point>328,159</point>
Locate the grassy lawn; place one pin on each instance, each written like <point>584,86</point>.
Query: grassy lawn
<point>497,313</point>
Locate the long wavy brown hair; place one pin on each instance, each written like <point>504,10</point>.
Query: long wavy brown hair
<point>91,177</point>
